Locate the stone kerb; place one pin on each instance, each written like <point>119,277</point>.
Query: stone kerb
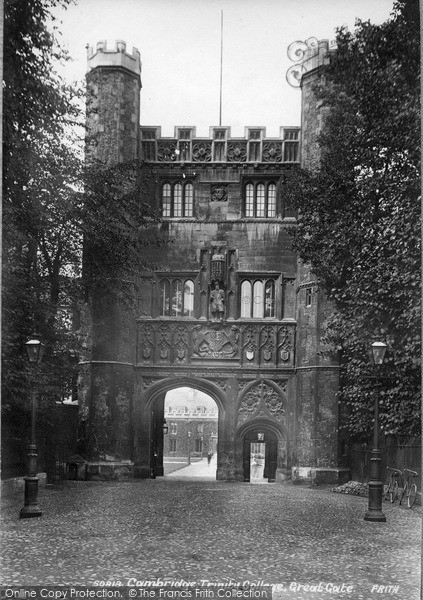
<point>320,475</point>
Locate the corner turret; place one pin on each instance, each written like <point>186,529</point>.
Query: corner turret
<point>113,103</point>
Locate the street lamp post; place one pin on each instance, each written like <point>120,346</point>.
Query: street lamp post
<point>374,511</point>
<point>35,350</point>
<point>189,447</point>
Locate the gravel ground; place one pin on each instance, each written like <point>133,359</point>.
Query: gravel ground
<point>198,530</point>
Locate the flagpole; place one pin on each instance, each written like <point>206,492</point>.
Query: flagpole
<point>221,65</point>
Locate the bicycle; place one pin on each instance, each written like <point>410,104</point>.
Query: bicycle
<point>391,492</point>
<point>410,488</point>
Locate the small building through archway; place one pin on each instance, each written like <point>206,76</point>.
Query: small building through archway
<point>190,444</point>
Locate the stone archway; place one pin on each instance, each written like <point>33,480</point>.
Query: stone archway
<point>263,434</point>
<point>148,421</point>
<point>261,413</point>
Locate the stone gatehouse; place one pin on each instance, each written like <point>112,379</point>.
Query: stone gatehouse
<point>228,308</point>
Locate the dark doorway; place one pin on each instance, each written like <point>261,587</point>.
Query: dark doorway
<point>260,456</point>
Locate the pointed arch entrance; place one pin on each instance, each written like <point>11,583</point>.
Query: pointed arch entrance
<point>261,431</point>
<point>190,434</point>
<point>150,416</point>
<point>260,453</point>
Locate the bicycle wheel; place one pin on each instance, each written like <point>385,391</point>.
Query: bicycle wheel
<point>393,492</point>
<point>401,496</point>
<point>411,498</point>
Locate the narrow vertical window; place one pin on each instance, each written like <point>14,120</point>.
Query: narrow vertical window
<point>166,200</point>
<point>177,200</point>
<point>249,200</point>
<point>271,200</point>
<point>176,309</point>
<point>164,298</point>
<point>308,296</point>
<point>260,200</point>
<point>269,305</point>
<point>258,300</point>
<point>189,195</point>
<point>189,298</point>
<point>246,299</point>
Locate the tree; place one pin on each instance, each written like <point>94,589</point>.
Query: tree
<point>41,174</point>
<point>359,224</point>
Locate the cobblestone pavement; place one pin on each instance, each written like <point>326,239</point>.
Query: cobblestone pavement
<point>198,530</point>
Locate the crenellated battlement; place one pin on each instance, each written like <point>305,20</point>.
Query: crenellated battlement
<point>220,146</point>
<point>117,57</point>
<point>315,57</point>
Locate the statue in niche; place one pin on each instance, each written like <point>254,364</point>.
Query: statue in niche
<point>217,303</point>
<point>217,266</point>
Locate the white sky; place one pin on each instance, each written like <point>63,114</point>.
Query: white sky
<point>179,41</point>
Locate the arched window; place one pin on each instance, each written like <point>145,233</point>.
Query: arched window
<point>178,199</point>
<point>246,299</point>
<point>189,199</point>
<point>271,200</point>
<point>189,298</point>
<point>269,300</point>
<point>166,200</point>
<point>176,298</point>
<point>165,298</point>
<point>249,200</point>
<point>258,299</point>
<point>260,199</point>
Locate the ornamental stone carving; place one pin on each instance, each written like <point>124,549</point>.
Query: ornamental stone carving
<point>250,342</point>
<point>215,342</point>
<point>166,151</point>
<point>262,399</point>
<point>176,342</point>
<point>237,151</point>
<point>272,152</point>
<point>219,193</point>
<point>268,342</point>
<point>202,152</point>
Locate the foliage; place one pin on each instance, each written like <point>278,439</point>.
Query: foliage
<point>359,224</point>
<point>41,170</point>
<point>49,216</point>
<point>115,221</point>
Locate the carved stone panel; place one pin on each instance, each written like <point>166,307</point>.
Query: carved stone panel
<point>219,193</point>
<point>272,152</point>
<point>250,344</point>
<point>237,151</point>
<point>201,151</point>
<point>267,344</point>
<point>285,352</point>
<point>180,344</point>
<point>215,341</point>
<point>261,399</point>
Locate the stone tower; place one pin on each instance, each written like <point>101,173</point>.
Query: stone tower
<point>107,381</point>
<point>113,103</point>
<point>317,377</point>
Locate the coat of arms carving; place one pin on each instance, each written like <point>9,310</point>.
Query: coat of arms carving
<point>219,193</point>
